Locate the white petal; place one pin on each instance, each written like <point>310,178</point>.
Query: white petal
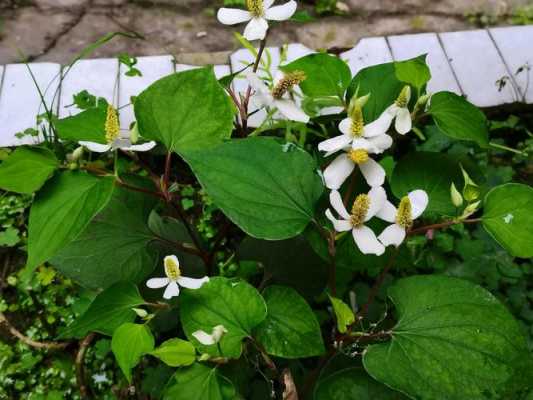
<point>387,212</point>
<point>267,4</point>
<point>282,12</point>
<point>393,234</point>
<point>380,143</point>
<point>172,290</point>
<point>336,202</point>
<point>156,283</point>
<point>291,111</point>
<point>419,201</point>
<point>335,143</point>
<point>96,147</point>
<point>256,29</point>
<point>192,283</point>
<point>337,172</point>
<point>339,225</point>
<point>403,122</point>
<point>366,241</point>
<point>373,172</point>
<point>141,147</point>
<point>204,338</point>
<point>232,16</point>
<point>345,126</point>
<point>380,125</point>
<point>255,82</point>
<point>378,197</point>
<point>361,143</point>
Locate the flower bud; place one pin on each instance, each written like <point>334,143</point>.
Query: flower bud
<point>470,209</point>
<point>134,134</point>
<point>457,199</point>
<point>471,190</point>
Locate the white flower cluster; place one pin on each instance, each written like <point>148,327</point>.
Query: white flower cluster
<point>357,143</point>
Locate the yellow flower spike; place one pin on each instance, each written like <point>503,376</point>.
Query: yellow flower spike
<point>404,217</point>
<point>359,210</point>
<point>358,156</point>
<point>172,269</point>
<point>358,124</point>
<point>288,81</point>
<point>405,96</point>
<point>255,7</point>
<point>112,128</point>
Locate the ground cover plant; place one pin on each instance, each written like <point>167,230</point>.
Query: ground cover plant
<point>368,239</point>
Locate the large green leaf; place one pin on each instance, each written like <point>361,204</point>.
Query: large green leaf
<point>185,111</point>
<point>459,119</point>
<point>27,169</point>
<point>326,75</point>
<point>110,309</point>
<point>353,384</point>
<point>199,382</point>
<point>268,189</point>
<point>232,303</point>
<point>175,352</point>
<point>381,83</point>
<point>290,329</point>
<point>129,343</point>
<point>453,340</point>
<point>88,125</point>
<point>62,210</point>
<point>115,246</point>
<point>290,262</point>
<point>432,172</point>
<point>414,71</point>
<point>508,217</point>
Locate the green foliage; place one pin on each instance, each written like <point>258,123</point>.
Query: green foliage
<point>447,329</point>
<point>185,111</point>
<point>269,190</point>
<point>343,314</point>
<point>175,353</point>
<point>88,125</point>
<point>414,72</point>
<point>27,169</point>
<point>290,329</point>
<point>129,343</point>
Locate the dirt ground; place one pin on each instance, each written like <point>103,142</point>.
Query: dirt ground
<point>57,30</point>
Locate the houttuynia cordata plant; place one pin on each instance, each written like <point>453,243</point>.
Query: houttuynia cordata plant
<point>331,181</point>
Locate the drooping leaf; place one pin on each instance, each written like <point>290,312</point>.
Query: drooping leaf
<point>185,111</point>
<point>62,210</point>
<point>414,72</point>
<point>381,83</point>
<point>175,352</point>
<point>129,343</point>
<point>290,262</point>
<point>459,119</point>
<point>27,169</point>
<point>199,382</point>
<point>88,125</point>
<point>453,340</point>
<point>109,309</point>
<point>233,303</point>
<point>290,329</point>
<point>343,314</point>
<point>326,75</point>
<point>268,189</point>
<point>353,383</point>
<point>115,246</point>
<point>508,217</point>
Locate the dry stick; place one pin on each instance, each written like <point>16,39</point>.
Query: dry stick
<point>30,342</point>
<point>80,370</point>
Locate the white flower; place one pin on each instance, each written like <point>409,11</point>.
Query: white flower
<point>341,167</point>
<point>364,208</point>
<point>210,339</point>
<point>398,111</point>
<point>259,11</point>
<point>410,208</point>
<point>279,96</point>
<point>174,278</point>
<point>355,132</point>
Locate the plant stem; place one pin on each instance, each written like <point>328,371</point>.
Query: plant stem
<point>246,99</point>
<point>441,225</point>
<point>80,370</point>
<point>503,147</point>
<point>167,175</point>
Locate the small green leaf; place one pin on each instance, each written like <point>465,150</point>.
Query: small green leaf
<point>129,343</point>
<point>453,340</point>
<point>199,382</point>
<point>243,309</point>
<point>62,210</point>
<point>459,119</point>
<point>88,125</point>
<point>415,71</point>
<point>508,217</point>
<point>343,313</point>
<point>110,309</point>
<point>290,329</point>
<point>175,352</point>
<point>185,111</point>
<point>27,169</point>
<point>326,74</point>
<point>266,188</point>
